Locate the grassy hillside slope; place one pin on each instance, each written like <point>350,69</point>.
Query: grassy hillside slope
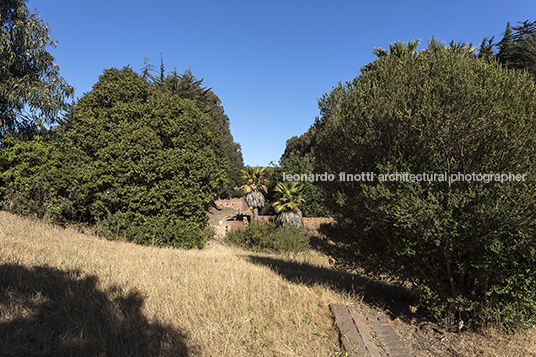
<point>63,292</point>
<point>66,293</point>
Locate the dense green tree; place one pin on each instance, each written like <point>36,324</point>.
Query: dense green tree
<point>298,158</point>
<point>28,76</point>
<point>27,184</point>
<point>232,188</point>
<point>187,86</point>
<point>469,245</point>
<point>516,49</point>
<point>524,37</point>
<point>298,146</point>
<point>314,206</point>
<point>147,163</point>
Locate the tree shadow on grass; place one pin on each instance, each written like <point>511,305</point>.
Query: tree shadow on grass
<point>390,297</point>
<point>50,312</point>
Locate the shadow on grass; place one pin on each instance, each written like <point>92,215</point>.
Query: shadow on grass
<point>394,299</point>
<point>50,312</point>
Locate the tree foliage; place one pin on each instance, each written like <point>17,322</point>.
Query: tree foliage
<point>30,178</point>
<point>147,163</point>
<point>298,146</point>
<point>468,245</point>
<point>299,158</point>
<point>517,48</point>
<point>187,86</point>
<point>28,75</point>
<point>135,165</point>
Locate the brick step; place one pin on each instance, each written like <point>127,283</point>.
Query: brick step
<point>367,336</point>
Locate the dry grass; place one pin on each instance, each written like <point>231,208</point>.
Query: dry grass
<point>63,293</point>
<point>66,293</point>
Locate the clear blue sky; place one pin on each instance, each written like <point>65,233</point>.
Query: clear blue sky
<point>268,61</point>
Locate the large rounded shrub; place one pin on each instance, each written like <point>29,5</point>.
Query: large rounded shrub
<point>148,165</point>
<point>470,246</point>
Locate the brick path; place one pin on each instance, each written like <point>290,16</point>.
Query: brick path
<point>367,336</point>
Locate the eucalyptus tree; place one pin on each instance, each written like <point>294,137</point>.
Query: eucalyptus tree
<point>29,78</point>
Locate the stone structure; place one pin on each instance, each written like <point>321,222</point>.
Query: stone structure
<point>308,223</point>
<point>238,204</point>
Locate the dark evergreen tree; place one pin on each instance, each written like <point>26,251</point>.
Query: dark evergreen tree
<point>298,146</point>
<point>517,48</point>
<point>187,86</point>
<point>486,48</point>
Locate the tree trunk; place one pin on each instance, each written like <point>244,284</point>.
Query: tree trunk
<point>293,217</point>
<point>255,200</point>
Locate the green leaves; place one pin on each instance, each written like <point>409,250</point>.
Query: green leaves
<point>255,181</point>
<point>147,162</point>
<point>28,75</point>
<point>288,195</point>
<point>441,110</point>
<point>259,236</point>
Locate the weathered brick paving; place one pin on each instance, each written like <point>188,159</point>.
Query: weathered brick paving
<point>367,336</point>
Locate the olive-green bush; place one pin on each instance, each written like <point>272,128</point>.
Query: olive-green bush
<point>260,236</point>
<point>470,247</point>
<point>27,178</point>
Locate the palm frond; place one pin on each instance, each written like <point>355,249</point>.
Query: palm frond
<point>289,196</point>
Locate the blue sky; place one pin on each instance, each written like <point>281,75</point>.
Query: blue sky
<point>267,61</point>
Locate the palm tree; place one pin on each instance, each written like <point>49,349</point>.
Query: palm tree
<point>397,49</point>
<point>255,183</point>
<point>289,198</point>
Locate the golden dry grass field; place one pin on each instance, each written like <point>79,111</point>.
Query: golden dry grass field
<point>64,293</point>
<point>68,293</point>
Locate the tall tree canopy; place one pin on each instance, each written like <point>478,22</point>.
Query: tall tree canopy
<point>468,243</point>
<point>187,86</point>
<point>28,76</point>
<point>297,147</point>
<point>299,158</point>
<point>148,167</point>
<point>517,48</point>
<point>131,164</point>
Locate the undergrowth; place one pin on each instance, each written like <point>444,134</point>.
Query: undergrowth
<point>259,236</point>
